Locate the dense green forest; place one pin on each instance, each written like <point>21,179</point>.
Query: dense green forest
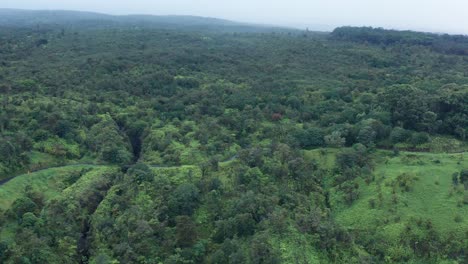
<point>146,139</point>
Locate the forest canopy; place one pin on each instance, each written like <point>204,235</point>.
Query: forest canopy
<point>147,140</point>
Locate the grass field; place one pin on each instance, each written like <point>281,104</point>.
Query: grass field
<point>428,194</point>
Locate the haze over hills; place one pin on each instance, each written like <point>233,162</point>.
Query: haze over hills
<point>26,18</point>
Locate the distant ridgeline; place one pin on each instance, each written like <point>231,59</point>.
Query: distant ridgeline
<point>448,44</point>
<point>90,20</point>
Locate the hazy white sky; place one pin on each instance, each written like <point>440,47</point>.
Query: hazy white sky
<point>428,15</point>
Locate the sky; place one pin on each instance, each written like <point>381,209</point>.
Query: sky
<point>448,16</point>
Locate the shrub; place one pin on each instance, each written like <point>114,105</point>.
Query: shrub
<point>399,135</point>
<point>28,220</point>
<point>419,138</point>
<point>141,173</point>
<point>21,206</point>
<point>464,175</point>
<point>334,139</point>
<point>455,178</point>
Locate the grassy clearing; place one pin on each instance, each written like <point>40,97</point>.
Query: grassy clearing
<point>325,157</point>
<point>48,181</point>
<point>428,193</point>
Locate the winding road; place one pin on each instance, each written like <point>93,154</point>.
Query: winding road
<point>2,182</point>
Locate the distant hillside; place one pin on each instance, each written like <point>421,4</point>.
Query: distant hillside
<point>17,17</point>
<point>28,18</point>
<point>449,44</point>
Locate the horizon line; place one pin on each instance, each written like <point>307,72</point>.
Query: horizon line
<point>319,27</point>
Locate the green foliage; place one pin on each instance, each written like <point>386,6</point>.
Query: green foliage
<point>440,43</point>
<point>354,157</point>
<point>106,140</point>
<point>407,110</point>
<point>334,139</point>
<point>219,140</point>
<point>13,151</point>
<point>22,206</point>
<point>405,197</point>
<point>186,233</point>
<point>464,175</point>
<point>419,138</point>
<point>261,251</point>
<point>141,173</point>
<point>310,137</point>
<point>59,148</point>
<point>184,200</point>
